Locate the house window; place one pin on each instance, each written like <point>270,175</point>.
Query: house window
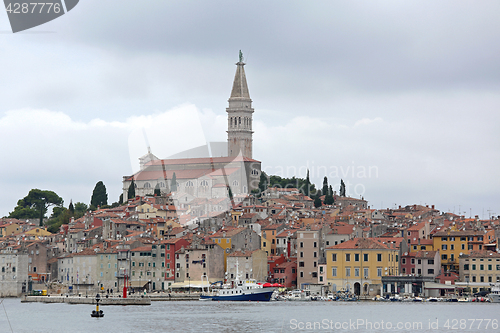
<point>356,271</point>
<point>365,272</point>
<point>356,256</point>
<point>365,257</point>
<point>301,264</point>
<point>347,257</point>
<point>430,271</point>
<point>403,261</point>
<point>348,271</point>
<point>379,256</point>
<point>334,257</point>
<point>444,247</point>
<point>379,271</point>
<point>334,271</point>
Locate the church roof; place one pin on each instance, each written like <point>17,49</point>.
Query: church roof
<point>201,160</point>
<point>240,88</point>
<point>180,174</point>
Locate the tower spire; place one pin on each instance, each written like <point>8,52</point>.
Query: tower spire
<point>240,114</point>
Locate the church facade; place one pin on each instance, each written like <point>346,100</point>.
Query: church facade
<point>208,177</point>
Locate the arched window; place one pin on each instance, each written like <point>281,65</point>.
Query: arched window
<point>189,183</point>
<point>231,121</point>
<point>255,172</point>
<point>204,183</point>
<point>147,185</point>
<point>235,183</point>
<point>161,184</point>
<point>239,120</point>
<point>244,189</point>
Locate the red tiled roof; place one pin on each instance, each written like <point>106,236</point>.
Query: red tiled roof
<point>360,243</point>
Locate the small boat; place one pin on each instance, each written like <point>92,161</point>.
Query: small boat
<point>494,294</point>
<point>299,295</point>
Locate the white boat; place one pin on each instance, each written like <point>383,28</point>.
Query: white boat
<point>299,295</point>
<point>494,294</point>
<point>240,290</point>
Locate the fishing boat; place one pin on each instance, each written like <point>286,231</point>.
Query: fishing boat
<point>240,290</point>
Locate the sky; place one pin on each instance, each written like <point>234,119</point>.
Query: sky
<point>400,99</point>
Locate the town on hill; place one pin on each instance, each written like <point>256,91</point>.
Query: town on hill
<point>151,243</point>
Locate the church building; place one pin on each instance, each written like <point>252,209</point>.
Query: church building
<point>207,177</point>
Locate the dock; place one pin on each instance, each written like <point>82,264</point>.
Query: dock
<point>87,300</point>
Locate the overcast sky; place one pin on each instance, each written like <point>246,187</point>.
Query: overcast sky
<point>398,98</point>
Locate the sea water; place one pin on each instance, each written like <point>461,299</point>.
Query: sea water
<point>208,316</point>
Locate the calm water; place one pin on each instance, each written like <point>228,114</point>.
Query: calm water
<point>206,316</point>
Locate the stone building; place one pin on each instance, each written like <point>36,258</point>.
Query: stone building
<point>14,272</point>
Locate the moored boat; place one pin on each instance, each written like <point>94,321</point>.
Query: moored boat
<point>247,290</point>
<point>494,294</point>
<point>241,290</point>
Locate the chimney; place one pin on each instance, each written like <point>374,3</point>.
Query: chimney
<point>432,206</point>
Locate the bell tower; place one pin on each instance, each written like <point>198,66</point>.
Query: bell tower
<point>239,115</point>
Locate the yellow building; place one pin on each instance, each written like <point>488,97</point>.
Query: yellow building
<point>358,265</point>
<point>41,232</point>
<point>9,229</point>
<point>454,243</point>
<point>265,245</point>
<point>269,234</point>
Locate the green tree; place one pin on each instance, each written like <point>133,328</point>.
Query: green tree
<point>173,183</point>
<point>99,195</point>
<point>71,208</point>
<point>60,216</point>
<point>263,182</point>
<point>35,204</point>
<point>324,190</point>
<point>329,197</point>
<point>80,209</point>
<point>120,200</point>
<point>317,200</point>
<point>342,189</point>
<point>131,190</point>
<point>157,190</point>
<point>308,184</point>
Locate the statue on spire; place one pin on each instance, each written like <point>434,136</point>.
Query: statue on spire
<point>241,56</point>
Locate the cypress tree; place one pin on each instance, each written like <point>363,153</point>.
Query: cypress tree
<point>131,190</point>
<point>173,183</point>
<point>308,184</point>
<point>342,189</point>
<point>157,190</point>
<point>99,195</point>
<point>325,186</point>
